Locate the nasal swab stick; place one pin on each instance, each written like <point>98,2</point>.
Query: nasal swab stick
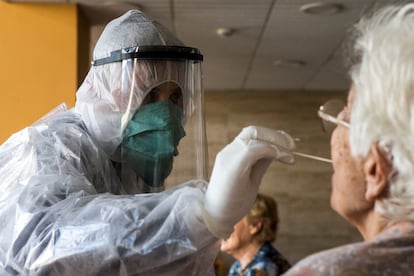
<point>312,157</point>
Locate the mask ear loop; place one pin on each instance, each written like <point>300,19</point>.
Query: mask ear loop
<point>125,118</point>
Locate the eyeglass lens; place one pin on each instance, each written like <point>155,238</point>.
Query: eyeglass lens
<point>329,112</point>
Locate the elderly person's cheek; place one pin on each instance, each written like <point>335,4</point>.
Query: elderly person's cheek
<point>339,161</point>
<point>336,145</point>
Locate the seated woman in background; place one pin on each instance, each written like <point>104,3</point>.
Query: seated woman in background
<point>250,242</point>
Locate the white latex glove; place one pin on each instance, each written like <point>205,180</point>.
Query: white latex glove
<point>237,173</point>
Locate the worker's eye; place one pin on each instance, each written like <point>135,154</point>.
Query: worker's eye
<point>177,97</point>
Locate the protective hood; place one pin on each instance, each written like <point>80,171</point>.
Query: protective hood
<point>134,56</point>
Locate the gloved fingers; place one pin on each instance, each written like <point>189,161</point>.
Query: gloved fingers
<point>265,150</point>
<point>284,155</point>
<point>275,137</point>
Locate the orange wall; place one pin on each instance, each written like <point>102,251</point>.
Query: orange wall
<point>38,62</point>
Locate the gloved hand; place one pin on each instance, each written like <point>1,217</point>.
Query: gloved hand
<point>237,173</point>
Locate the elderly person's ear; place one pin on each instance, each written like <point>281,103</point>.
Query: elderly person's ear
<point>376,168</point>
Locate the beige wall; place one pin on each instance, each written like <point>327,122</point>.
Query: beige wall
<point>307,224</point>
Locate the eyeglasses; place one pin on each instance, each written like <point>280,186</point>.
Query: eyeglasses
<point>332,114</point>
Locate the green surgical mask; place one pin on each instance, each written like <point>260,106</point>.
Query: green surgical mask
<point>151,139</point>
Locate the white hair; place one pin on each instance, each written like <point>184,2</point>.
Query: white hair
<point>383,107</point>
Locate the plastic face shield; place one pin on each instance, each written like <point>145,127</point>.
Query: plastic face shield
<point>145,70</point>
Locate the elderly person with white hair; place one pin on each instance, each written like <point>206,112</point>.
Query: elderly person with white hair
<point>372,151</point>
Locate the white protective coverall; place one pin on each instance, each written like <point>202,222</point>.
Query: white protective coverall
<point>64,210</point>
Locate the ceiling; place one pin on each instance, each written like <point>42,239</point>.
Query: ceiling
<point>265,31</point>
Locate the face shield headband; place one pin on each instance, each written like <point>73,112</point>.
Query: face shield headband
<point>152,52</point>
<point>144,70</point>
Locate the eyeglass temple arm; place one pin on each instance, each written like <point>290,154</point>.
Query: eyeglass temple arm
<point>332,119</point>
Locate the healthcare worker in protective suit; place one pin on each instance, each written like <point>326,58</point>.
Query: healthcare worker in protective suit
<point>72,184</point>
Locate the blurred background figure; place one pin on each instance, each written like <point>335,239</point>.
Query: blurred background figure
<point>251,241</point>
